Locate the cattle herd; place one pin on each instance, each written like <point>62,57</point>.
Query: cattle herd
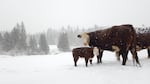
<point>120,39</point>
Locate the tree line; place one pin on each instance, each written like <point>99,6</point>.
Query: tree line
<point>18,42</point>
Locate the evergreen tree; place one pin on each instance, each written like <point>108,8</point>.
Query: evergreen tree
<point>7,42</point>
<point>22,40</point>
<point>1,37</point>
<point>15,37</point>
<point>63,43</point>
<point>43,44</point>
<point>18,37</point>
<point>1,42</point>
<point>33,46</point>
<point>52,36</point>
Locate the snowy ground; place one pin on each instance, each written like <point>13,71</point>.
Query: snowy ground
<point>58,68</point>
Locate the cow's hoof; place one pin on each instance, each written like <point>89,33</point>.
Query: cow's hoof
<point>123,64</point>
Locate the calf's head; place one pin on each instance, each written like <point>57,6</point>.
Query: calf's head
<point>85,37</point>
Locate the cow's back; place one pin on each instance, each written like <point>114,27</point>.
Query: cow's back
<point>121,36</point>
<point>83,51</point>
<point>124,36</point>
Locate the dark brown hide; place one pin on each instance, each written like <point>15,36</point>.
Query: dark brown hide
<point>143,42</point>
<point>83,52</point>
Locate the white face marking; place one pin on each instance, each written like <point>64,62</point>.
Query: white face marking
<point>96,51</point>
<point>85,37</point>
<point>115,48</point>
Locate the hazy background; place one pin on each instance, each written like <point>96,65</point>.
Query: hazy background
<point>39,15</point>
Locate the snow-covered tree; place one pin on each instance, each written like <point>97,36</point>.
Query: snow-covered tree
<point>15,37</point>
<point>52,36</point>
<point>18,37</point>
<point>7,42</point>
<point>1,42</point>
<point>22,40</point>
<point>43,44</point>
<point>63,43</point>
<point>33,46</point>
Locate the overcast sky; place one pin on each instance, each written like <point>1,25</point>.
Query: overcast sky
<point>38,15</point>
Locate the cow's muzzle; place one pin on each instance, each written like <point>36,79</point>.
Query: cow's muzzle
<point>79,36</point>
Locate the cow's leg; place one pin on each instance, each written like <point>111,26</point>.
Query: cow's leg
<point>101,54</point>
<point>148,50</point>
<point>90,60</point>
<point>75,61</point>
<point>99,57</point>
<point>135,57</point>
<point>124,57</point>
<point>86,61</point>
<point>98,61</point>
<point>118,53</point>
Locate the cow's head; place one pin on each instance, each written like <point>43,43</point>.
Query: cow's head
<point>85,37</point>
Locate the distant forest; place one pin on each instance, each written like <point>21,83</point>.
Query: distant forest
<point>19,42</point>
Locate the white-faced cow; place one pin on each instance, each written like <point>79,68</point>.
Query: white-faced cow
<point>120,39</point>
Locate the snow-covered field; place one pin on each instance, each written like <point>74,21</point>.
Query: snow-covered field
<point>58,68</point>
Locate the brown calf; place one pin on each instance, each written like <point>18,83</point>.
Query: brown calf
<point>84,52</point>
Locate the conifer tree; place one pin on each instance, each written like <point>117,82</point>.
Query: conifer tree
<point>33,46</point>
<point>63,43</point>
<point>43,44</point>
<point>7,42</point>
